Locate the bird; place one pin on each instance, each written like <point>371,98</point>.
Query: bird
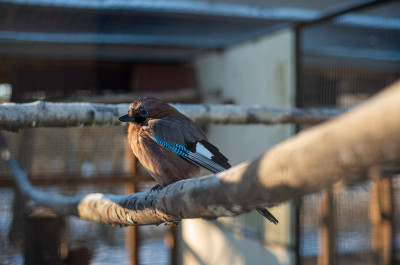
<point>171,146</point>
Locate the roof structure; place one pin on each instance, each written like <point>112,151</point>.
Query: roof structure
<point>176,30</point>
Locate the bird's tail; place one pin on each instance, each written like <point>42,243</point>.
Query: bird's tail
<point>264,212</point>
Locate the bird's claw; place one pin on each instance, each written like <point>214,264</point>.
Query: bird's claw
<point>156,188</point>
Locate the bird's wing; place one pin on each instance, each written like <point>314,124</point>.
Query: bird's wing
<point>187,140</point>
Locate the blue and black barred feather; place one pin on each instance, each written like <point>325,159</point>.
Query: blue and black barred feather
<point>214,162</point>
<point>201,153</point>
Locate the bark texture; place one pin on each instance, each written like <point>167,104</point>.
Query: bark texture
<point>14,117</point>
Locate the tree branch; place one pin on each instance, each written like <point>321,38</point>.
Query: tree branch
<point>15,117</point>
<point>339,149</point>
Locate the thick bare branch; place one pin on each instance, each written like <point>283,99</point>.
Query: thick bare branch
<point>45,114</point>
<point>315,159</point>
<point>15,117</point>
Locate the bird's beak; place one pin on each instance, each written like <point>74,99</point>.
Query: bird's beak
<point>126,118</point>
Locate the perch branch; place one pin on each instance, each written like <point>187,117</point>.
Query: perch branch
<point>15,117</point>
<point>340,149</point>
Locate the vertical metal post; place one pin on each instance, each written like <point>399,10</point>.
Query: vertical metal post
<point>297,78</point>
<point>298,67</point>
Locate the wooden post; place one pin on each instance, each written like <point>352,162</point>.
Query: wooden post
<point>327,233</point>
<point>374,212</point>
<point>386,209</point>
<point>297,232</point>
<point>78,255</point>
<point>132,232</point>
<point>171,239</point>
<point>42,238</point>
<point>381,215</point>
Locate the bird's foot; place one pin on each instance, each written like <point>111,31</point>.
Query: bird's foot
<point>172,223</point>
<point>157,187</point>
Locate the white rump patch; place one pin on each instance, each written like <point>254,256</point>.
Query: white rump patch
<point>204,151</point>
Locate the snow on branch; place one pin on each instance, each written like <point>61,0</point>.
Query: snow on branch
<point>338,150</point>
<point>15,117</point>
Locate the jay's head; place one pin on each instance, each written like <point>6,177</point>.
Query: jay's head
<point>144,109</point>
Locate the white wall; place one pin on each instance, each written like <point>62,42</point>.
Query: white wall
<point>256,72</point>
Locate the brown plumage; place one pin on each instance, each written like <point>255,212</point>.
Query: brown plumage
<point>167,122</point>
<point>170,145</point>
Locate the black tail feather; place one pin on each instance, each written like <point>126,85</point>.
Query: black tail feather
<point>268,215</point>
<point>222,161</point>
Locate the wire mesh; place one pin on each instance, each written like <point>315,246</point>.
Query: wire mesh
<point>353,229</point>
<point>309,224</point>
<point>80,153</point>
<point>345,60</point>
<point>342,62</point>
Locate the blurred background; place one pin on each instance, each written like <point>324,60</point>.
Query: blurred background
<point>283,54</point>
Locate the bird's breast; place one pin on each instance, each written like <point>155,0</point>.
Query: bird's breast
<point>163,164</point>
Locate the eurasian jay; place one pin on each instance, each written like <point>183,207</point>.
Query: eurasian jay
<point>170,145</point>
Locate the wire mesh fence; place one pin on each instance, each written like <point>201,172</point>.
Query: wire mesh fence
<point>341,62</point>
<point>354,241</point>
<point>346,59</point>
<point>73,162</point>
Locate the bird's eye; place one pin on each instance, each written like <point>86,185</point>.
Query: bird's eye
<point>143,111</point>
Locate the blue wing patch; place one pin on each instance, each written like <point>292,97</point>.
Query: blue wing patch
<point>176,148</point>
<point>197,157</point>
<point>205,155</point>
